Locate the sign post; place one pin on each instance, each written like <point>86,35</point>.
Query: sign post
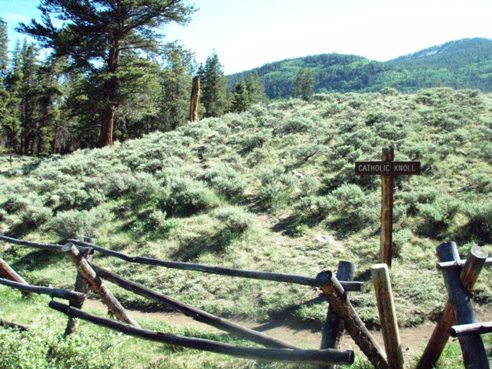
<point>388,169</point>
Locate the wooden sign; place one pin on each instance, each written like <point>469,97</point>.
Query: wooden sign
<point>394,168</point>
<point>388,169</point>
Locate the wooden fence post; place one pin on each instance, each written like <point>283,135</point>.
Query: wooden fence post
<point>7,272</point>
<point>333,328</point>
<point>387,315</point>
<point>97,286</point>
<point>474,355</point>
<point>337,297</point>
<point>469,275</point>
<point>80,286</point>
<point>386,237</point>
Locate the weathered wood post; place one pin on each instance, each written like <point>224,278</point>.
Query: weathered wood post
<point>97,286</point>
<point>387,315</point>
<point>333,328</point>
<point>469,275</point>
<point>474,355</point>
<point>386,237</point>
<point>7,272</point>
<point>337,297</point>
<point>80,286</point>
<point>387,169</point>
<point>195,99</point>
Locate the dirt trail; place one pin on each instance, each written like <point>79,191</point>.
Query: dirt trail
<point>413,339</point>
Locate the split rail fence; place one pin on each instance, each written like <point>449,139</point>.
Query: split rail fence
<point>341,315</point>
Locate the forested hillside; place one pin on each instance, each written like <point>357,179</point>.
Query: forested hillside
<point>458,64</point>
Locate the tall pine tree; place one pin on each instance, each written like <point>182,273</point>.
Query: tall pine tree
<point>214,86</point>
<point>95,34</point>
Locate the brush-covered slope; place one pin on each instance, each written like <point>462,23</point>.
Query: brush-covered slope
<point>464,63</point>
<point>271,189</point>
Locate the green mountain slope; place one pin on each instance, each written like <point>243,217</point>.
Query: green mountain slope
<point>271,189</point>
<point>459,64</point>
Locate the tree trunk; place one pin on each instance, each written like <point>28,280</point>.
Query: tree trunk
<point>106,135</point>
<point>195,98</point>
<point>110,90</point>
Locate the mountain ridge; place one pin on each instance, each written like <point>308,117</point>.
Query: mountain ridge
<point>465,63</point>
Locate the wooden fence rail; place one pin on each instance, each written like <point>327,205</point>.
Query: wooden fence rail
<point>334,290</point>
<point>53,292</point>
<point>194,313</point>
<point>38,245</point>
<point>86,247</point>
<point>470,329</point>
<point>314,356</point>
<point>267,276</point>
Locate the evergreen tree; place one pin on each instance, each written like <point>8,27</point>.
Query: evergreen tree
<point>13,85</point>
<point>3,93</point>
<point>4,46</point>
<point>28,95</point>
<point>176,79</point>
<point>214,86</point>
<point>241,101</point>
<point>256,89</point>
<point>304,84</point>
<point>95,35</point>
<point>48,100</point>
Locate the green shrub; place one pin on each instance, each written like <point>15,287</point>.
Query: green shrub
<point>481,182</point>
<point>83,223</point>
<point>35,216</point>
<point>353,208</point>
<point>257,139</point>
<point>479,221</point>
<point>235,219</point>
<point>276,187</point>
<point>154,224</point>
<point>16,203</point>
<point>416,197</point>
<point>401,238</point>
<point>295,125</point>
<point>188,197</point>
<point>120,184</point>
<point>225,180</point>
<point>315,207</point>
<point>438,216</point>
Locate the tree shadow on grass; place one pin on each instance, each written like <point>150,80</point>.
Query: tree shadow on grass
<point>37,260</point>
<point>287,317</point>
<point>215,243</point>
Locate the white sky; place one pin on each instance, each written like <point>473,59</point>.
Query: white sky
<point>250,33</point>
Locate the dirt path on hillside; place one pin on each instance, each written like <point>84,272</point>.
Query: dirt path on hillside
<point>413,339</point>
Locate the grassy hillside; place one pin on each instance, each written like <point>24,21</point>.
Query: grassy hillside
<point>458,64</point>
<point>271,189</point>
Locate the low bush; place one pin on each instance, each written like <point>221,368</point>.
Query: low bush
<point>479,224</point>
<point>225,180</point>
<point>235,219</point>
<point>437,216</point>
<point>83,223</point>
<point>188,197</point>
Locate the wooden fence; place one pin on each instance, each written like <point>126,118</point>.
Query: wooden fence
<point>458,317</point>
